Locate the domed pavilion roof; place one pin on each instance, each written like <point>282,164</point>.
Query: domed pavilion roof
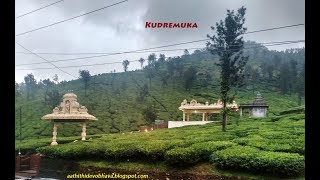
<point>70,110</point>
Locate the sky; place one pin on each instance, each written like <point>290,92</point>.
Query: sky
<point>121,28</point>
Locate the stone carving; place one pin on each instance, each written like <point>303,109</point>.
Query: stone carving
<point>83,110</point>
<point>184,102</point>
<point>193,102</point>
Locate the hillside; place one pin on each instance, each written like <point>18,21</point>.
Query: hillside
<point>118,99</point>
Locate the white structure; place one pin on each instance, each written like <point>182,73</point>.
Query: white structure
<point>194,107</point>
<point>205,109</point>
<point>174,124</point>
<point>258,108</point>
<point>69,110</point>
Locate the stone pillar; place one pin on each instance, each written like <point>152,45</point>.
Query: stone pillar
<point>188,116</point>
<point>207,114</point>
<point>203,116</point>
<point>184,116</point>
<point>54,133</point>
<point>240,112</point>
<point>83,134</point>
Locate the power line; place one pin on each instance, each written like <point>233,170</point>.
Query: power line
<point>46,60</point>
<point>39,9</point>
<point>167,57</point>
<point>71,18</point>
<point>104,55</point>
<point>108,53</point>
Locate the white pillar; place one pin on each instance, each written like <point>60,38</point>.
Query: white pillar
<point>240,112</point>
<point>188,117</point>
<point>184,116</point>
<point>203,116</point>
<point>83,134</point>
<point>54,133</point>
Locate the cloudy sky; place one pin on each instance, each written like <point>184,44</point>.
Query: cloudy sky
<point>121,28</point>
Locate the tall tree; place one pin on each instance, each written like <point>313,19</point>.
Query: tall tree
<point>178,65</point>
<point>284,78</point>
<point>229,45</point>
<point>300,85</point>
<point>150,73</point>
<point>170,66</point>
<point>31,84</point>
<point>150,114</point>
<point>85,78</point>
<point>125,65</point>
<point>55,78</point>
<point>152,59</point>
<point>189,77</point>
<point>53,98</point>
<point>162,58</point>
<point>141,61</point>
<point>47,85</point>
<point>293,75</point>
<point>18,90</point>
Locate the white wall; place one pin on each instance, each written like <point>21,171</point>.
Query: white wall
<point>173,124</point>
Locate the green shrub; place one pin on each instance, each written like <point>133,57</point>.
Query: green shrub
<point>195,153</point>
<point>253,159</point>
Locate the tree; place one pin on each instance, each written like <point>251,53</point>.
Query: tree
<point>18,90</point>
<point>186,52</point>
<point>228,45</point>
<point>31,84</point>
<point>150,114</point>
<point>125,65</point>
<point>141,61</point>
<point>162,58</point>
<point>284,78</point>
<point>189,77</point>
<point>85,78</point>
<point>143,93</point>
<point>300,85</point>
<point>179,67</point>
<point>53,98</point>
<point>150,73</point>
<point>293,75</point>
<point>170,66</point>
<point>47,85</point>
<point>164,76</point>
<point>55,78</point>
<point>152,59</point>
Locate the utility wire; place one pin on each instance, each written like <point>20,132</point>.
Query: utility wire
<point>108,53</point>
<point>46,60</point>
<point>26,32</point>
<point>164,50</point>
<point>167,57</point>
<point>39,9</point>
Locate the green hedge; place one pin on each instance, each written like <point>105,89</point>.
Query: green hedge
<point>253,159</point>
<point>195,153</point>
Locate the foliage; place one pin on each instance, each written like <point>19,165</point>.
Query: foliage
<point>228,45</point>
<point>150,114</point>
<point>189,77</point>
<point>253,159</point>
<point>85,78</point>
<point>125,65</point>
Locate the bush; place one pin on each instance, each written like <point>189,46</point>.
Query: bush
<point>195,153</point>
<point>253,159</point>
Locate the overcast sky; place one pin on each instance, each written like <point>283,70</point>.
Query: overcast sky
<point>122,28</point>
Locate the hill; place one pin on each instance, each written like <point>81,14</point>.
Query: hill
<point>118,100</point>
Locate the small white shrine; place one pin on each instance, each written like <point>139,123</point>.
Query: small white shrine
<point>258,108</point>
<point>69,110</point>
